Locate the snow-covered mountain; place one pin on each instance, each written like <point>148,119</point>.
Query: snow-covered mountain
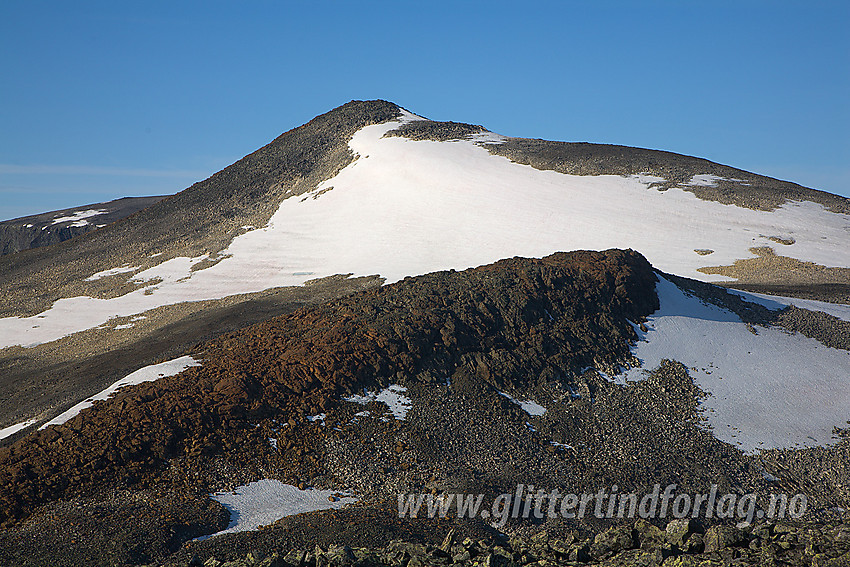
<point>370,194</point>
<point>372,189</point>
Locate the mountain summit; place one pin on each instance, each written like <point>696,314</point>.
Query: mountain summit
<point>376,303</point>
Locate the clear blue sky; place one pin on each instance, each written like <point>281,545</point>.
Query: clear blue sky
<point>105,99</point>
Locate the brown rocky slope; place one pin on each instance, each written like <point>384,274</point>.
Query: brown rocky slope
<point>530,317</point>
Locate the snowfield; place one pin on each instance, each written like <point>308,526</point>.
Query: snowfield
<point>767,390</point>
<point>407,207</point>
<point>392,396</point>
<point>79,218</point>
<point>528,406</point>
<point>266,501</point>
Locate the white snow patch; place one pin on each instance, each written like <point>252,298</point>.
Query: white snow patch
<point>145,374</point>
<point>392,396</point>
<point>487,137</point>
<point>12,429</point>
<point>704,180</point>
<point>647,179</point>
<point>125,326</point>
<point>266,501</point>
<point>273,443</point>
<point>171,271</point>
<point>529,406</point>
<point>112,272</point>
<point>79,216</point>
<point>768,390</point>
<point>318,417</point>
<point>138,318</point>
<point>407,207</point>
<point>28,226</point>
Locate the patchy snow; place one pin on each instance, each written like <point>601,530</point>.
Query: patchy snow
<point>124,326</point>
<point>266,501</point>
<point>704,180</point>
<point>171,271</point>
<point>273,443</point>
<point>768,390</point>
<point>318,417</point>
<point>12,429</point>
<point>28,226</point>
<point>145,374</point>
<point>487,137</point>
<point>646,178</point>
<point>392,396</point>
<point>407,207</point>
<point>80,216</point>
<point>529,406</point>
<point>112,272</point>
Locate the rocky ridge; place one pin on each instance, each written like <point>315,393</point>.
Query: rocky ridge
<point>39,230</point>
<point>681,543</point>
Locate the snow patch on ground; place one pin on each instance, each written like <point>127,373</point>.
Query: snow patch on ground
<point>406,207</point>
<point>704,180</point>
<point>529,406</point>
<point>768,390</point>
<point>266,501</point>
<point>393,396</point>
<point>318,417</point>
<point>79,217</point>
<point>487,137</point>
<point>145,374</point>
<point>112,272</point>
<point>12,429</point>
<point>171,271</point>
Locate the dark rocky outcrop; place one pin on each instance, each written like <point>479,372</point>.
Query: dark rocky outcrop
<point>519,318</point>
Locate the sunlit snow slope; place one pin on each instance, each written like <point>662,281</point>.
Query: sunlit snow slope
<point>409,207</point>
<point>767,388</point>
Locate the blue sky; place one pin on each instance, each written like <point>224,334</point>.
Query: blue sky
<point>103,100</point>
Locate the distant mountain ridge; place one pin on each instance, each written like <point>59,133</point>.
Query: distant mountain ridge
<point>44,229</point>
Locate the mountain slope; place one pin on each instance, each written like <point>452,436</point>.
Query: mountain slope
<point>370,189</point>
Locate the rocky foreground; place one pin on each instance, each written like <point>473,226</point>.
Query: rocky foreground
<point>127,482</point>
<point>682,543</point>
